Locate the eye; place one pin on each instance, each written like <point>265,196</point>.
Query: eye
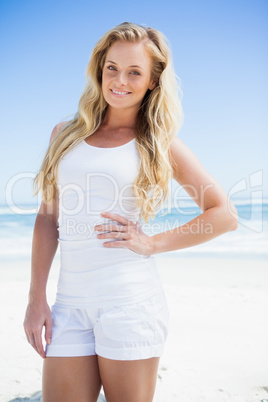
<point>111,68</point>
<point>135,72</point>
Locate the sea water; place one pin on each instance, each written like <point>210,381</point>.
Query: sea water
<point>250,240</point>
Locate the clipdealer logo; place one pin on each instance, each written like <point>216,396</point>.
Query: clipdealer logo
<point>252,185</point>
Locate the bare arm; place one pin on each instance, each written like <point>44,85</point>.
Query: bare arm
<point>44,247</point>
<point>219,214</point>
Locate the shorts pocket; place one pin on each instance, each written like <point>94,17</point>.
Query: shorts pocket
<point>60,318</point>
<point>128,324</point>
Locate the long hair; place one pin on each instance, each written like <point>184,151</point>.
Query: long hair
<point>159,118</point>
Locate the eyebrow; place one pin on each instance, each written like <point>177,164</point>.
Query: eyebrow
<point>110,61</point>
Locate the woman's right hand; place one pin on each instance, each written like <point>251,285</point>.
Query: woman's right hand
<point>37,316</point>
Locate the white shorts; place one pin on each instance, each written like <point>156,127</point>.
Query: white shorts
<point>127,332</point>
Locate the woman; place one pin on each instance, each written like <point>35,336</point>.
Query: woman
<point>105,169</point>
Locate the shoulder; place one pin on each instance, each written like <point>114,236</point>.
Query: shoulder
<point>190,173</point>
<point>186,166</point>
<point>56,130</point>
<point>177,145</point>
<point>180,154</point>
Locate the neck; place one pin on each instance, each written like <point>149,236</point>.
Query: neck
<point>119,118</point>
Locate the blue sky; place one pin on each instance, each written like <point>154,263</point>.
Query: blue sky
<point>220,51</point>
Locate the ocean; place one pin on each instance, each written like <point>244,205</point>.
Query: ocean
<point>250,240</point>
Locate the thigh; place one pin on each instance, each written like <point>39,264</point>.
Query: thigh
<point>71,379</point>
<point>128,381</point>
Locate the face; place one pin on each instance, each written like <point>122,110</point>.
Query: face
<point>126,75</point>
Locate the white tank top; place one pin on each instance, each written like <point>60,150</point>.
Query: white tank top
<point>92,180</point>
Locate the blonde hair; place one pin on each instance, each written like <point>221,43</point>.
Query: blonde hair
<point>159,118</point>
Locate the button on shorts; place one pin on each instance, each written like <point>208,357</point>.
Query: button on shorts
<point>125,332</point>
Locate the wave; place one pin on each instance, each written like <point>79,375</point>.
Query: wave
<point>29,209</point>
<point>238,243</point>
<point>18,210</point>
<point>251,237</point>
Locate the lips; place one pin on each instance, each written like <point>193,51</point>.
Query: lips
<point>116,92</point>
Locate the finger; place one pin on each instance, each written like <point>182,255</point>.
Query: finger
<point>32,342</point>
<point>110,227</point>
<point>116,244</point>
<point>27,336</point>
<point>48,330</point>
<point>37,339</point>
<point>114,235</point>
<point>116,217</point>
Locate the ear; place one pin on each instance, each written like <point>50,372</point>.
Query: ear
<point>152,85</point>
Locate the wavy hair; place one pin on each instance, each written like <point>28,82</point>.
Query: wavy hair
<point>159,118</point>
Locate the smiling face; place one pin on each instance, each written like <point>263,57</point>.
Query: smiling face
<point>126,74</point>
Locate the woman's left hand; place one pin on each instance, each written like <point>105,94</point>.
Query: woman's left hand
<point>131,234</point>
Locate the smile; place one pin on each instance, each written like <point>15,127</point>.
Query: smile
<point>120,92</point>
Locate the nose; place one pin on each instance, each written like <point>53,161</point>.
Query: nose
<point>121,78</point>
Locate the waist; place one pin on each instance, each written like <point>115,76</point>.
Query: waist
<point>81,226</point>
<point>91,252</point>
<point>92,273</point>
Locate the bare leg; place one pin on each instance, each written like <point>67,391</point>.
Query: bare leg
<point>128,381</point>
<point>71,379</point>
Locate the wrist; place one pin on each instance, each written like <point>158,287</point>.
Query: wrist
<point>152,245</point>
<point>158,243</point>
<point>36,295</point>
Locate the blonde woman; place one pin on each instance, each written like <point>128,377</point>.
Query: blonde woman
<point>105,170</point>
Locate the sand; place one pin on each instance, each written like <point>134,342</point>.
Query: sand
<point>217,348</point>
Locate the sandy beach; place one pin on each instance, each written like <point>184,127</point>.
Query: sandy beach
<point>217,349</point>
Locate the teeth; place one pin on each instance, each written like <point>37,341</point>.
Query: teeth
<point>119,93</point>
